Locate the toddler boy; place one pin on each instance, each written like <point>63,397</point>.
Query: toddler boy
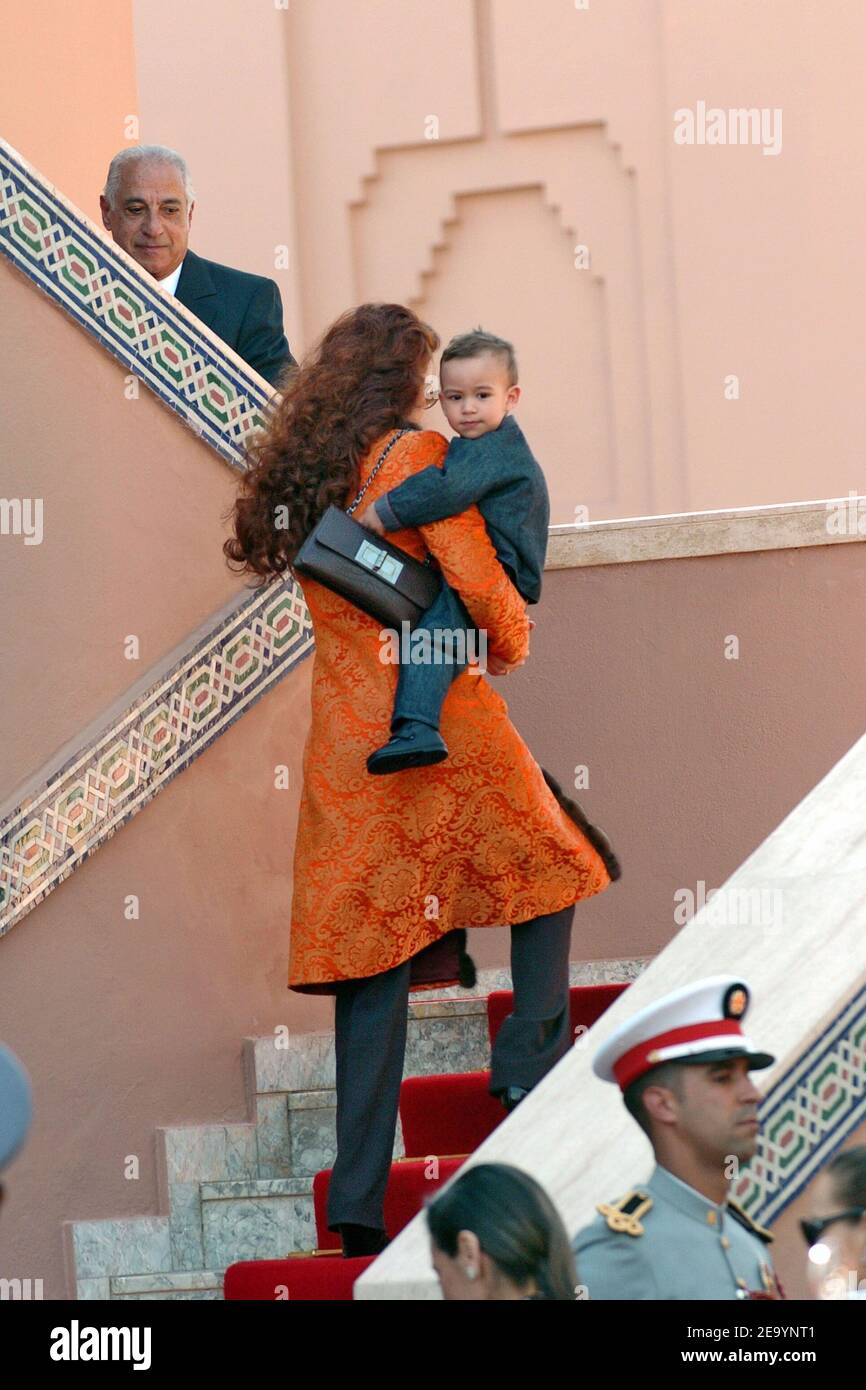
<point>490,464</point>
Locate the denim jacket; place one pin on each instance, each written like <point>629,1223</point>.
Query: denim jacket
<point>498,472</point>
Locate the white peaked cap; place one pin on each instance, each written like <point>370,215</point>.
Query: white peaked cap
<point>699,1023</point>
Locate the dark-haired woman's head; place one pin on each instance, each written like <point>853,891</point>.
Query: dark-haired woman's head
<point>365,377</point>
<point>495,1234</point>
<point>836,1226</point>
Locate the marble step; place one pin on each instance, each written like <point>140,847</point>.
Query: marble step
<point>443,1034</point>
<point>260,1220</point>
<point>199,1284</point>
<point>100,1251</point>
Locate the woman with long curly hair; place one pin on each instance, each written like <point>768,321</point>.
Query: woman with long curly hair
<point>386,867</point>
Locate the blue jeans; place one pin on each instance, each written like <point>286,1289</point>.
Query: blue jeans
<point>423,685</point>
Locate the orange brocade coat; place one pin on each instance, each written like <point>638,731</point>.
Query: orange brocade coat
<point>385,865</point>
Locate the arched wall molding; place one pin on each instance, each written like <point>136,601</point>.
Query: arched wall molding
<point>425,188</point>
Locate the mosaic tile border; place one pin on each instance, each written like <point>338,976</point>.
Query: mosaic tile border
<point>89,797</point>
<point>809,1114</point>
<point>67,257</point>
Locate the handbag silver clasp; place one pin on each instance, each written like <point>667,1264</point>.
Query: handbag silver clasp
<point>379,561</point>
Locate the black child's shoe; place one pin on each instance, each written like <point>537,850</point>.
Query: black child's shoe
<point>415,744</point>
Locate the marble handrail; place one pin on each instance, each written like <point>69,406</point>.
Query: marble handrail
<point>729,530</point>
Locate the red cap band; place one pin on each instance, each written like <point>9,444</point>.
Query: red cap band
<point>636,1061</point>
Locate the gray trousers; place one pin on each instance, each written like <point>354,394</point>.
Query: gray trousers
<point>370,1040</point>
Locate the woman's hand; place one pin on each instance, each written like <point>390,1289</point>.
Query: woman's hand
<point>496,667</point>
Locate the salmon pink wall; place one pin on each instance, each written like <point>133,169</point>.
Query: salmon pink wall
<point>69,89</point>
<point>131,504</point>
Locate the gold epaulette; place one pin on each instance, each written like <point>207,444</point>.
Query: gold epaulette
<point>745,1220</point>
<point>624,1214</point>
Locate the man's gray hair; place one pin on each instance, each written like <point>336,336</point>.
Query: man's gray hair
<point>148,154</point>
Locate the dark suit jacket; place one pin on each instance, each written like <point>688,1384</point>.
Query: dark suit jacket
<point>246,311</point>
<point>498,472</point>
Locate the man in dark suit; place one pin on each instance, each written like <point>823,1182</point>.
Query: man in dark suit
<point>147,205</point>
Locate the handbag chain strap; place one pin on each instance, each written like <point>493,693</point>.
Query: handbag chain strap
<point>382,457</point>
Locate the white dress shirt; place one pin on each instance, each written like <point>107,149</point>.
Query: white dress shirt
<point>170,281</point>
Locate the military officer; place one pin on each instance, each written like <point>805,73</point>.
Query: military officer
<point>683,1066</point>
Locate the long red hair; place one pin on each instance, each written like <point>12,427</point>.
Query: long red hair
<point>361,380</point>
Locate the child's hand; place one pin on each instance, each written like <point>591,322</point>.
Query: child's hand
<point>370,518</point>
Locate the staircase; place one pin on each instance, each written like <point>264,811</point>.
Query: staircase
<point>237,1192</point>
<point>230,1192</point>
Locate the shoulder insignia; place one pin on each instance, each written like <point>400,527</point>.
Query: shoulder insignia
<point>623,1215</point>
<point>750,1225</point>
